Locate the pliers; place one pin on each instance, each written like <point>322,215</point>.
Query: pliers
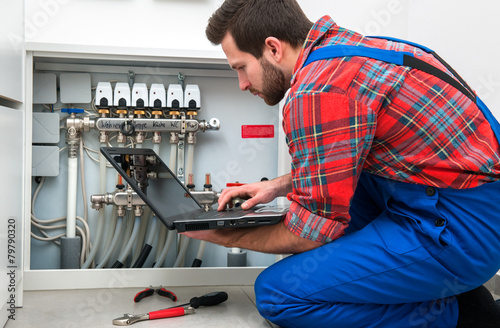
<point>159,290</point>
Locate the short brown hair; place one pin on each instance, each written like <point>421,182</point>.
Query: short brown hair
<point>250,22</point>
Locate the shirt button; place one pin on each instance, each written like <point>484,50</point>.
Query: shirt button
<point>439,222</point>
<point>430,191</point>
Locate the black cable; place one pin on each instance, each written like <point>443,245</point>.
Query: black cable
<point>117,264</point>
<point>143,256</point>
<point>196,263</point>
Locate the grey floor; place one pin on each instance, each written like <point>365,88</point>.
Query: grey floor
<point>98,307</point>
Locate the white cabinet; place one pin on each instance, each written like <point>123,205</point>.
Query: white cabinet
<point>11,50</point>
<point>11,220</point>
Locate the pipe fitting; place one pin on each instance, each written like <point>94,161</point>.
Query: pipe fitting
<point>125,198</point>
<point>191,138</point>
<point>139,137</point>
<point>156,137</point>
<point>174,138</point>
<point>120,211</point>
<point>138,211</point>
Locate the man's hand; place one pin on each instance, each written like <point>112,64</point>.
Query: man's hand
<point>256,193</point>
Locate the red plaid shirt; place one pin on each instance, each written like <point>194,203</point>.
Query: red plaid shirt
<point>352,114</point>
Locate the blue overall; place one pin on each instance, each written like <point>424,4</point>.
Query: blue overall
<point>408,250</point>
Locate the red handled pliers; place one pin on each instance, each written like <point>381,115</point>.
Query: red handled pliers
<point>150,291</point>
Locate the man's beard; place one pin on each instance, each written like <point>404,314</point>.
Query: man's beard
<point>273,83</point>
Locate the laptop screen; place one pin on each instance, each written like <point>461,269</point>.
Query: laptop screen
<point>153,181</point>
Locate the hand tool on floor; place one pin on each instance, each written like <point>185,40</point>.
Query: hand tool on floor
<point>159,290</point>
<point>129,319</point>
<point>209,299</point>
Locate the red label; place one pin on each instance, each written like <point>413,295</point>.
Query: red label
<point>234,184</point>
<point>257,131</point>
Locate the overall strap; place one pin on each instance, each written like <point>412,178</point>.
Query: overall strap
<point>403,58</point>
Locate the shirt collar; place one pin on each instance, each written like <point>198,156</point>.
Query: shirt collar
<point>319,29</point>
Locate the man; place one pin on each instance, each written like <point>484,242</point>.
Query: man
<point>393,173</point>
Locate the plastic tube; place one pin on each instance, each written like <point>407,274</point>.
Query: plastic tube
<point>156,148</point>
<point>128,231</point>
<point>142,234</point>
<point>189,170</point>
<point>184,241</point>
<point>143,228</point>
<point>160,241</point>
<point>107,233</point>
<point>108,229</point>
<point>170,238</point>
<point>163,232</point>
<point>102,213</point>
<point>72,186</point>
<point>82,177</point>
<point>114,241</point>
<point>173,157</point>
<point>131,240</point>
<point>152,230</point>
<point>201,249</point>
<point>148,246</point>
<point>179,261</point>
<point>171,235</point>
<point>189,159</point>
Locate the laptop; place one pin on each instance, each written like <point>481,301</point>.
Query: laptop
<point>172,202</point>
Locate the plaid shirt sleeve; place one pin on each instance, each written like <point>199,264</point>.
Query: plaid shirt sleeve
<point>329,138</point>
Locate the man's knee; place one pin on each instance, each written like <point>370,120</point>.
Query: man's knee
<point>271,293</point>
<point>264,288</point>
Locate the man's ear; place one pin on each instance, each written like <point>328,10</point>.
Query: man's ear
<point>273,49</point>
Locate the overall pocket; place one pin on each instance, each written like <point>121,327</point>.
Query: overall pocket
<point>412,221</point>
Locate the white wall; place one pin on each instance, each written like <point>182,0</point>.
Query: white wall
<point>463,32</point>
<point>163,24</point>
<point>11,51</point>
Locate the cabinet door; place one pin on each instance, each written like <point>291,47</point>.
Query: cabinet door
<point>11,167</point>
<point>12,50</point>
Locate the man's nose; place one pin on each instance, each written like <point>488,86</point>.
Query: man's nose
<point>244,83</point>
